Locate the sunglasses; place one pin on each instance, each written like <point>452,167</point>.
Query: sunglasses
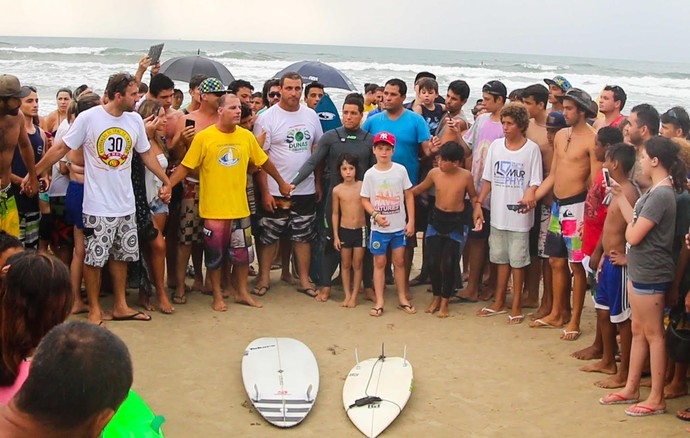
<point>273,94</point>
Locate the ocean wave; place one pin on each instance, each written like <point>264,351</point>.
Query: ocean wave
<point>541,67</point>
<point>58,50</point>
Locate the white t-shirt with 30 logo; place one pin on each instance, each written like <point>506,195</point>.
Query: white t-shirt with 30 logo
<point>108,143</point>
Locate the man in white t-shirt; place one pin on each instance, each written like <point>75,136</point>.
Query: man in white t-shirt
<point>512,173</point>
<point>109,135</point>
<point>291,131</point>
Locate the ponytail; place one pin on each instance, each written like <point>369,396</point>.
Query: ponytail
<point>679,173</point>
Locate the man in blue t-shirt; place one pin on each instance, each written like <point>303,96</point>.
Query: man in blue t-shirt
<point>411,133</point>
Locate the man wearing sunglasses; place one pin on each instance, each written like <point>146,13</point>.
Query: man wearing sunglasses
<point>675,123</point>
<point>611,103</point>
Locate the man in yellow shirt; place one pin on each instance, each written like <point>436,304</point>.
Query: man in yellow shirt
<point>222,153</point>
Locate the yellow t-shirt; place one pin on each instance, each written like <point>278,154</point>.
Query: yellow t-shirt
<point>222,160</point>
<point>370,108</point>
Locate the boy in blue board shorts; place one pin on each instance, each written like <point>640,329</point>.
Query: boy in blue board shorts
<point>387,198</point>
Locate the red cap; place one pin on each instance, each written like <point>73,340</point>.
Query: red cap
<point>385,137</point>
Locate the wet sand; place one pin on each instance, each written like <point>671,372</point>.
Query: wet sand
<point>474,377</point>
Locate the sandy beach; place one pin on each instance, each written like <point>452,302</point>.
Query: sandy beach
<point>474,377</point>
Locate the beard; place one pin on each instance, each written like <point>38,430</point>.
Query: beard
<point>13,112</point>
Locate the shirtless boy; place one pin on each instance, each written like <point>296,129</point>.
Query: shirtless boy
<point>13,133</point>
<point>574,162</point>
<point>612,306</point>
<point>445,234</point>
<point>349,227</point>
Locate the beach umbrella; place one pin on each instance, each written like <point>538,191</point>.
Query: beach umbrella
<point>183,68</point>
<point>315,71</point>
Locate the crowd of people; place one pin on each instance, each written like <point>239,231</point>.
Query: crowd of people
<point>543,194</point>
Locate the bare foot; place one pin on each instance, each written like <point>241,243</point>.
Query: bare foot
<point>673,390</point>
<point>600,367</point>
<point>541,313</point>
<point>434,305</point>
<point>289,279</point>
<point>530,304</point>
<point>144,301</point>
<point>351,303</point>
<point>588,353</point>
<point>486,293</point>
<point>443,313</point>
<point>219,305</point>
<point>79,307</point>
<point>247,299</point>
<point>553,322</point>
<point>196,286</point>
<point>323,295</point>
<point>611,382</point>
<point>164,304</point>
<point>369,294</point>
<point>345,302</point>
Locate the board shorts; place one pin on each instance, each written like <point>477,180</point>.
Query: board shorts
<point>73,204</point>
<point>509,248</point>
<point>235,242</point>
<point>538,232</point>
<point>352,238</point>
<point>61,233</point>
<point>29,224</point>
<point>191,225</point>
<point>9,215</point>
<point>563,239</point>
<point>380,243</point>
<point>297,221</point>
<point>106,237</point>
<point>612,294</point>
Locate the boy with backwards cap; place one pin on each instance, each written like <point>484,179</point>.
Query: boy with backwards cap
<point>387,198</point>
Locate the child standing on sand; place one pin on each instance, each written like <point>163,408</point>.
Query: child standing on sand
<point>349,227</point>
<point>445,234</point>
<point>387,198</point>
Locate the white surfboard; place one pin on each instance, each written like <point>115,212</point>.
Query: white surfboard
<point>281,378</point>
<point>376,391</point>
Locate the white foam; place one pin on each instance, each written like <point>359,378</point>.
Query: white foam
<point>58,50</point>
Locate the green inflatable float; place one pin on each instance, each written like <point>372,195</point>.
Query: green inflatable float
<point>134,419</point>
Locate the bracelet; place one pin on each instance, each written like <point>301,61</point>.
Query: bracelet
<point>374,215</point>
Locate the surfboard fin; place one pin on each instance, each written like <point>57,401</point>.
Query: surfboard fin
<point>356,356</point>
<point>309,392</point>
<point>383,353</point>
<point>364,401</point>
<point>256,390</point>
<point>405,356</point>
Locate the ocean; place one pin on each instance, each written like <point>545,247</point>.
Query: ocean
<point>52,63</point>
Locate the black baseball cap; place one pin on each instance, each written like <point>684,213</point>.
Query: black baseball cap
<point>496,88</point>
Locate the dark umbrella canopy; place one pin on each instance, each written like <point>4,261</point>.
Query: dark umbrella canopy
<point>183,68</point>
<point>315,71</point>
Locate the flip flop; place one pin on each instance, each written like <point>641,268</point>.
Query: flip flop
<point>306,291</point>
<point>516,319</point>
<point>571,335</point>
<point>258,290</point>
<point>679,414</point>
<point>179,299</point>
<point>617,400</point>
<point>538,323</point>
<point>407,308</point>
<point>646,411</point>
<point>133,317</point>
<point>486,312</point>
<point>376,311</point>
<point>461,300</point>
<point>417,281</point>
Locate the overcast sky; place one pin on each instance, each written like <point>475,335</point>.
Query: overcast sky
<point>632,29</point>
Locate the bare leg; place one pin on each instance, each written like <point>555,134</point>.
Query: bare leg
<point>579,291</point>
<point>156,253</point>
<point>92,280</point>
<point>409,255</point>
<point>561,284</point>
<point>266,255</point>
<point>357,261</point>
<point>171,243</point>
<point>532,282</point>
<point>118,276</point>
<point>400,273</point>
<point>443,310</point>
<point>379,280</point>
<point>76,273</point>
<point>678,386</point>
<point>619,379</point>
<point>183,253</point>
<point>303,256</point>
<point>503,272</point>
<point>547,296</point>
<point>240,279</point>
<point>518,282</point>
<point>197,251</point>
<point>607,364</point>
<point>218,302</point>
<point>345,273</point>
<point>285,252</point>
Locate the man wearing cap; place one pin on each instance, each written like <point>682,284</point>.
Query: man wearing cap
<point>611,103</point>
<point>557,87</point>
<point>574,164</point>
<point>190,232</point>
<point>13,133</point>
<point>478,138</point>
<point>109,135</point>
<point>290,131</point>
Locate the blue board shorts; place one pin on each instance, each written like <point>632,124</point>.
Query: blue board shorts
<point>379,243</point>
